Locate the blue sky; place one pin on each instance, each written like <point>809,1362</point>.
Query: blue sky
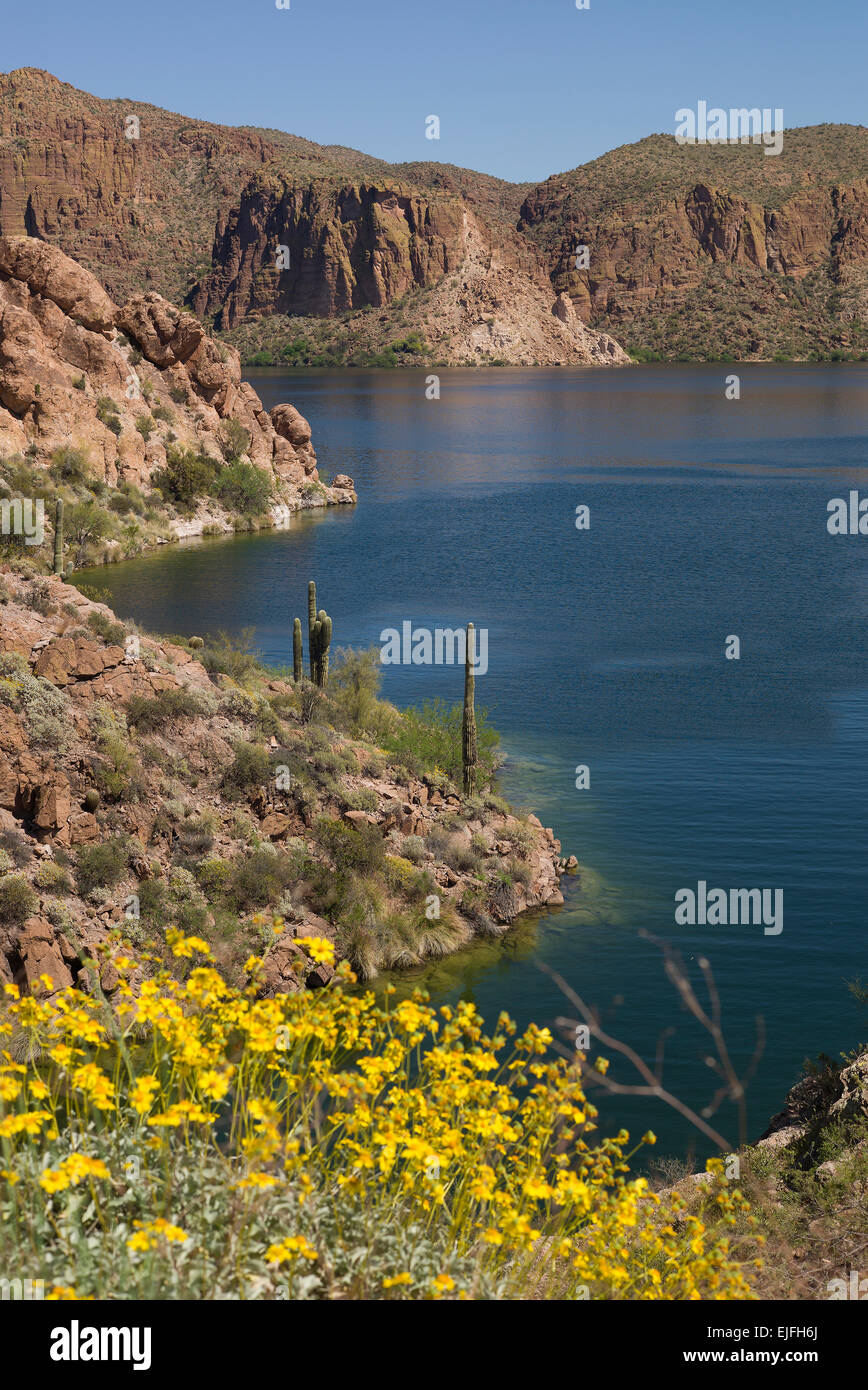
<point>523,88</point>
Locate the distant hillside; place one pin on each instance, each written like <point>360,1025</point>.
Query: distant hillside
<point>708,251</point>
<point>312,254</point>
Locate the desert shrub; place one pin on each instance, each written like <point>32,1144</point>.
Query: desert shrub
<point>52,877</point>
<point>196,835</point>
<point>101,865</point>
<point>354,688</point>
<point>163,413</point>
<point>70,465</point>
<point>85,523</point>
<point>186,477</point>
<point>17,849</point>
<point>243,488</point>
<point>429,738</point>
<point>359,798</point>
<point>43,708</point>
<point>117,775</point>
<point>39,598</point>
<point>250,768</point>
<point>212,874</point>
<point>520,837</point>
<point>106,628</point>
<point>230,656</point>
<point>259,880</point>
<point>153,901</point>
<point>17,900</point>
<point>352,851</point>
<point>147,714</point>
<point>145,424</point>
<point>234,440</point>
<point>414,848</point>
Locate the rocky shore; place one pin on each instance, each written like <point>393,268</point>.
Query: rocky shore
<point>139,791</point>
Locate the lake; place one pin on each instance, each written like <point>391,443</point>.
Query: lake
<point>607,649</point>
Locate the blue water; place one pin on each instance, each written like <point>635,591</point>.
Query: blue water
<point>606,647</point>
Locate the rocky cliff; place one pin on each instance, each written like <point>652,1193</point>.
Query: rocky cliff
<point>324,255</point>
<point>128,384</point>
<point>254,228</point>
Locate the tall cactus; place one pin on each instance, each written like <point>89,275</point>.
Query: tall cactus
<point>311,623</point>
<point>58,536</point>
<point>320,641</point>
<point>469,751</point>
<point>297,665</point>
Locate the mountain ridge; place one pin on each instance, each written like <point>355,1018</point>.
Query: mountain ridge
<point>694,251</point>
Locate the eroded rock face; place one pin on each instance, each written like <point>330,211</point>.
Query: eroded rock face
<point>66,349</point>
<point>346,247</point>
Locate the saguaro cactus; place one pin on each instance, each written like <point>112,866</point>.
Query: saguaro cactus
<point>297,667</point>
<point>311,623</point>
<point>320,642</point>
<point>469,751</point>
<point>58,536</point>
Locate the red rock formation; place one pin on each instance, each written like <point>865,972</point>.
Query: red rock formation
<point>65,347</point>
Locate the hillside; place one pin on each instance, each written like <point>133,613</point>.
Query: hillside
<point>709,251</point>
<point>222,798</point>
<point>701,252</point>
<point>197,212</point>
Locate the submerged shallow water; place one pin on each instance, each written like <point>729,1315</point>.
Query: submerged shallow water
<point>606,648</point>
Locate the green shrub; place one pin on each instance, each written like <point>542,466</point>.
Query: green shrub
<point>183,703</point>
<point>17,900</point>
<point>102,865</point>
<point>429,738</point>
<point>230,656</point>
<point>113,633</point>
<point>250,768</point>
<point>52,877</point>
<point>69,465</point>
<point>186,477</point>
<point>212,874</point>
<point>352,851</point>
<point>234,440</point>
<point>119,777</point>
<point>259,880</point>
<point>85,523</point>
<point>354,688</point>
<point>243,488</point>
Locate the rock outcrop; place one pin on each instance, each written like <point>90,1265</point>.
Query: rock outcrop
<point>124,383</point>
<point>343,247</point>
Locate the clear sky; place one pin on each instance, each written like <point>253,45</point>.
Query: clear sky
<point>523,88</point>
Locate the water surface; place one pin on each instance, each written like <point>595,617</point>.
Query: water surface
<point>606,648</point>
